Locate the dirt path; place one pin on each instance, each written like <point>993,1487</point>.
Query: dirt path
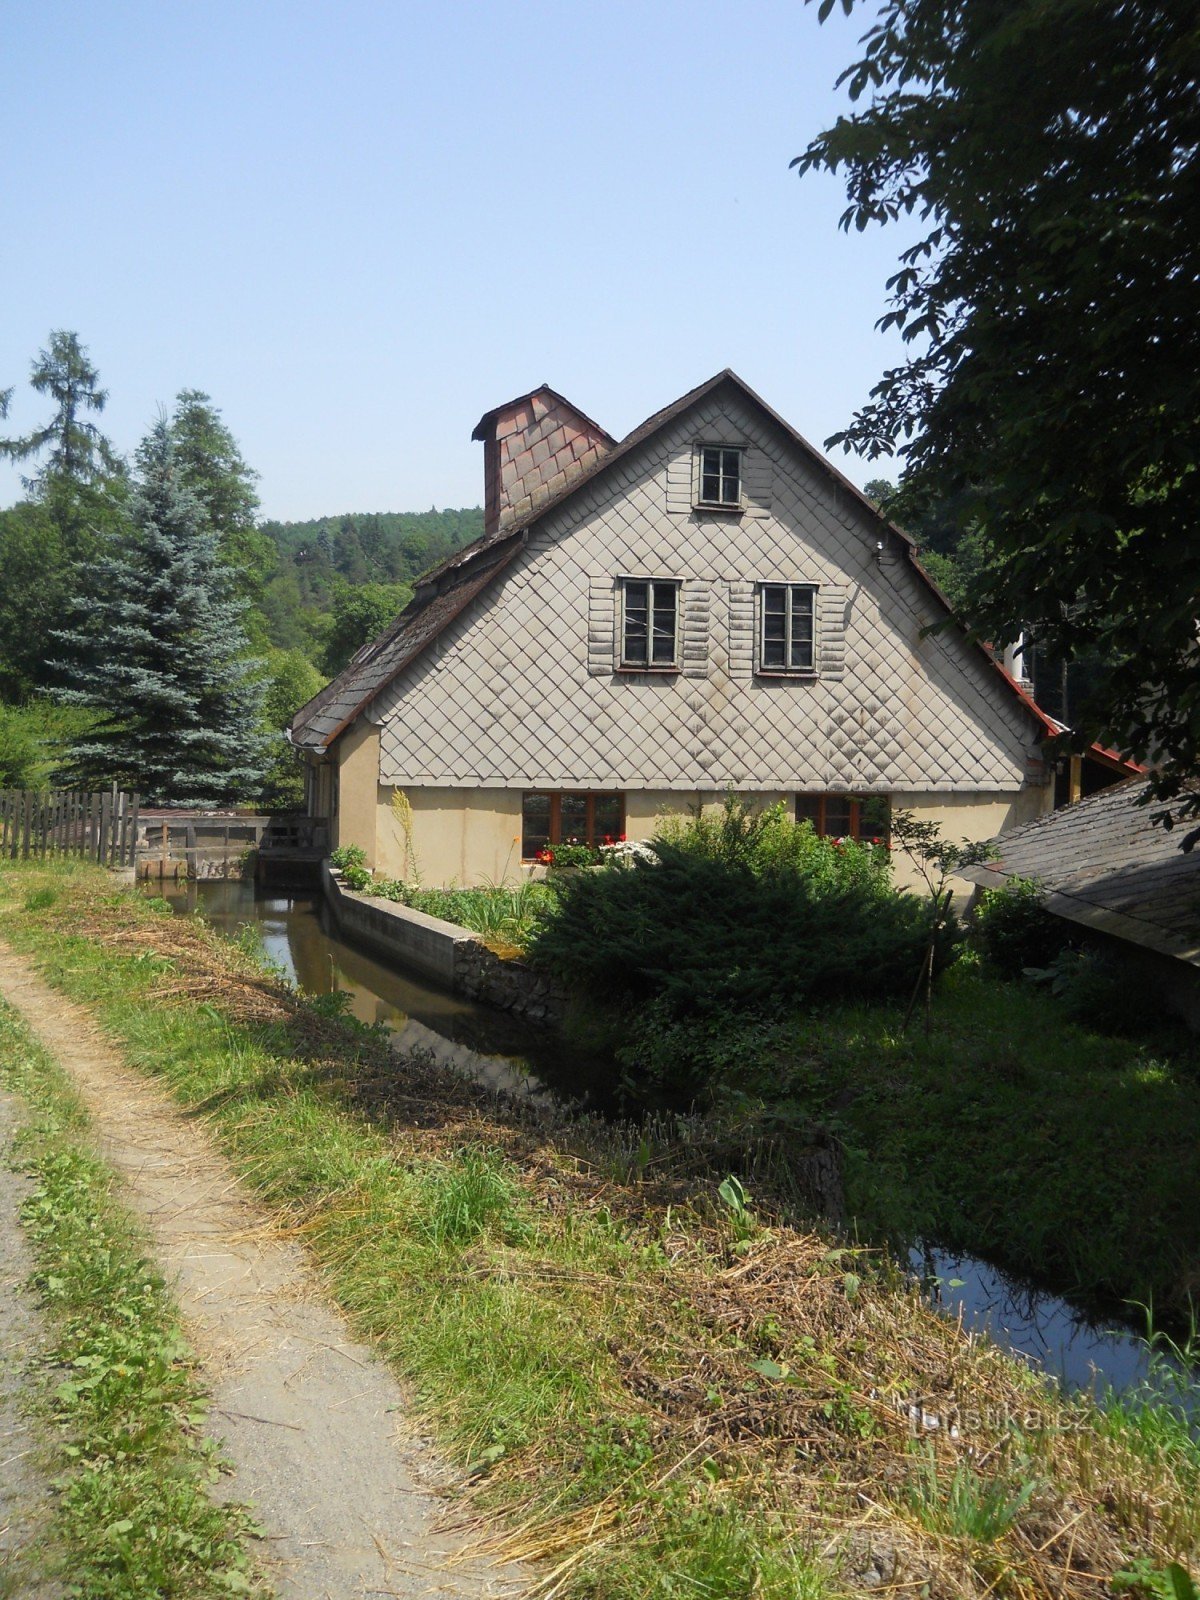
<point>24,1492</point>
<point>350,1495</point>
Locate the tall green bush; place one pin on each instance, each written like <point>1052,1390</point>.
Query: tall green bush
<point>1013,930</point>
<point>738,915</point>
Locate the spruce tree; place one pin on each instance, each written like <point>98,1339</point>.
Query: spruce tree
<point>162,656</point>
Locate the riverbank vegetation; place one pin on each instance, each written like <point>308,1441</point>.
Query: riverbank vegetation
<point>745,968</point>
<point>663,1381</point>
<point>505,915</point>
<point>132,1513</point>
<point>766,977</point>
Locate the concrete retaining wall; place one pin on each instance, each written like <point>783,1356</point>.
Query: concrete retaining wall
<point>453,957</point>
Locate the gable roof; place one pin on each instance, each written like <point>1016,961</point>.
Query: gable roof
<point>1107,866</point>
<point>445,591</point>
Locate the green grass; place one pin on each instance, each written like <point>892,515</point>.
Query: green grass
<point>1011,1134</point>
<point>671,1393</point>
<point>132,1516</point>
<point>963,1503</point>
<point>506,917</point>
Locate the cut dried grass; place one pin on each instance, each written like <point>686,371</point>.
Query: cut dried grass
<point>792,1375</point>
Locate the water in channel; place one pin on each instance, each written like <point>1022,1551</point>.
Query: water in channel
<point>499,1050</point>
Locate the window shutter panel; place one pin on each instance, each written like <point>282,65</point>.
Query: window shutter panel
<point>602,626</point>
<point>679,482</point>
<point>741,630</point>
<point>831,630</point>
<point>695,600</point>
<point>756,483</point>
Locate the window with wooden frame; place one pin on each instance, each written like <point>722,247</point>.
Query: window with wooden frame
<point>650,624</point>
<point>787,628</point>
<point>846,816</point>
<point>549,818</point>
<point>719,477</point>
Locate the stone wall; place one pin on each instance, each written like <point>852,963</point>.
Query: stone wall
<point>452,956</point>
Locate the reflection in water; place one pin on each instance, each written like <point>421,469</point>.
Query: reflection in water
<point>1048,1331</point>
<point>503,1052</point>
<point>294,928</point>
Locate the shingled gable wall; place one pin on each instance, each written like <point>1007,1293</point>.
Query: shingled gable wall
<point>519,692</point>
<point>533,449</point>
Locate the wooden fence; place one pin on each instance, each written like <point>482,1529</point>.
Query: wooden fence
<point>99,827</point>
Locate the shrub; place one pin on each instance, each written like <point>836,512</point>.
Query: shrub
<point>1094,990</point>
<point>348,855</point>
<point>769,841</point>
<point>1013,930</point>
<point>735,916</point>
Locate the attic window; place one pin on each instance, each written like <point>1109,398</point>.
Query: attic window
<point>720,482</point>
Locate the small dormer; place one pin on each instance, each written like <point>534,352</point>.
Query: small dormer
<point>534,447</point>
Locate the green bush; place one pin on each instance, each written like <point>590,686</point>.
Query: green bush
<point>738,916</point>
<point>348,855</point>
<point>1093,989</point>
<point>1013,930</point>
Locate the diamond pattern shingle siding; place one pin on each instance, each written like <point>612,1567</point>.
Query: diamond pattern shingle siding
<point>519,688</point>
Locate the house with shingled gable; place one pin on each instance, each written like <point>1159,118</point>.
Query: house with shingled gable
<point>646,625</point>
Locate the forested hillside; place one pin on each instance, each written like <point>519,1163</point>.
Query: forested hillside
<point>156,632</point>
<point>316,561</point>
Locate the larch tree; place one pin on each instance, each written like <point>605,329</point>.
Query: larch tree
<point>75,495</point>
<point>73,447</point>
<point>162,657</point>
<point>1050,151</point>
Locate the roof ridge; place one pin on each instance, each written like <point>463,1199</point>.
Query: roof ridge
<point>507,541</point>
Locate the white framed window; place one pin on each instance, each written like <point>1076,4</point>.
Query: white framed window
<point>719,476</point>
<point>650,624</point>
<point>787,628</point>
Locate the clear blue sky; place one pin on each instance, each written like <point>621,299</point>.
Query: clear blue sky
<point>359,226</point>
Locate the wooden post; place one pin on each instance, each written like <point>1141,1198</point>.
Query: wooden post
<point>1075,780</point>
<point>27,823</point>
<point>114,823</point>
<point>133,828</point>
<point>105,827</point>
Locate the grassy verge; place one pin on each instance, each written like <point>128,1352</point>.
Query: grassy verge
<point>1011,1133</point>
<point>132,1516</point>
<point>661,1388</point>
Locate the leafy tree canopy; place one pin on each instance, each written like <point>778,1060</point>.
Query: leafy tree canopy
<point>360,613</point>
<point>1051,150</point>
